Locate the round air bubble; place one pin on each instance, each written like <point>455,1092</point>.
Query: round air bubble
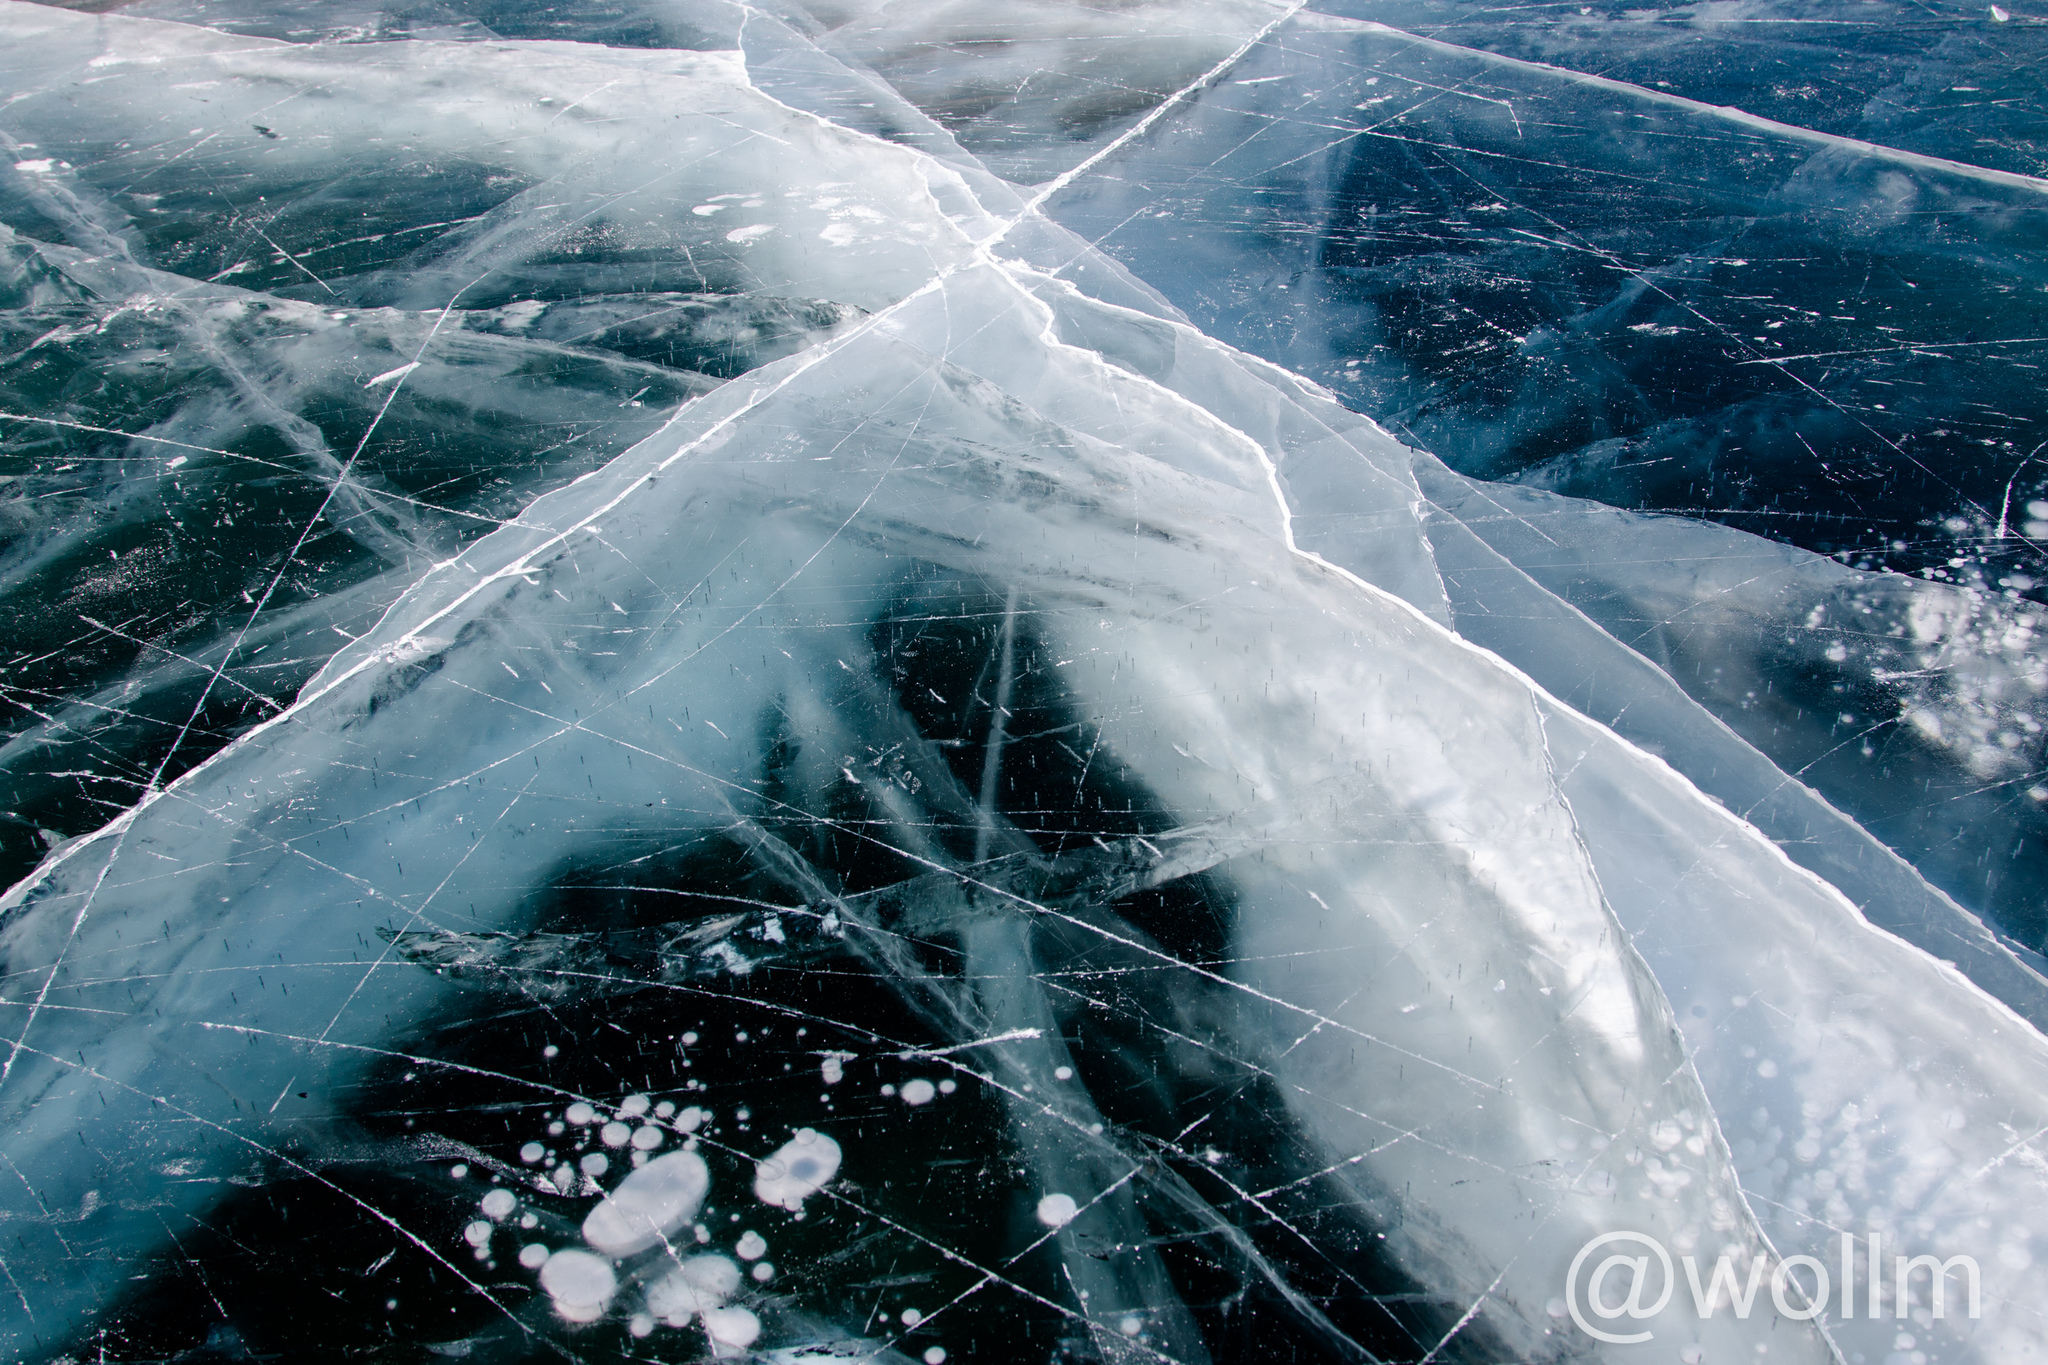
<point>752,1246</point>
<point>796,1170</point>
<point>732,1330</point>
<point>498,1204</point>
<point>533,1255</point>
<point>532,1152</point>
<point>633,1106</point>
<point>697,1285</point>
<point>647,1138</point>
<point>919,1091</point>
<point>615,1134</point>
<point>580,1284</point>
<point>1057,1210</point>
<point>580,1113</point>
<point>648,1205</point>
<point>594,1164</point>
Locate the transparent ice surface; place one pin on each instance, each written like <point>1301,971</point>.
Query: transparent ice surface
<point>1547,275</point>
<point>789,653</point>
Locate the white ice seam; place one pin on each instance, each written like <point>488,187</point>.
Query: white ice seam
<point>1726,113</point>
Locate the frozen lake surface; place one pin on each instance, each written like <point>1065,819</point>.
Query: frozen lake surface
<point>854,681</point>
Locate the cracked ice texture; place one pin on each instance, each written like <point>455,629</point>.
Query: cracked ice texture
<point>1131,715</point>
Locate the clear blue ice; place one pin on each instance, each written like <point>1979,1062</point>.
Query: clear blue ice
<point>855,680</point>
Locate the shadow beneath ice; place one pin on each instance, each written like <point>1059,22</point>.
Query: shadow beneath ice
<point>951,935</point>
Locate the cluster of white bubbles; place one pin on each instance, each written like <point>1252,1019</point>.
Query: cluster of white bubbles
<point>654,1206</point>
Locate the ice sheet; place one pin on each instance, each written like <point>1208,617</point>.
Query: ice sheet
<point>942,832</point>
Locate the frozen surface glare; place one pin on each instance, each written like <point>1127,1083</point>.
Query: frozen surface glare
<point>1189,681</point>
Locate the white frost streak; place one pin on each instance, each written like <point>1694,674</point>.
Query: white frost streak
<point>401,372</point>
